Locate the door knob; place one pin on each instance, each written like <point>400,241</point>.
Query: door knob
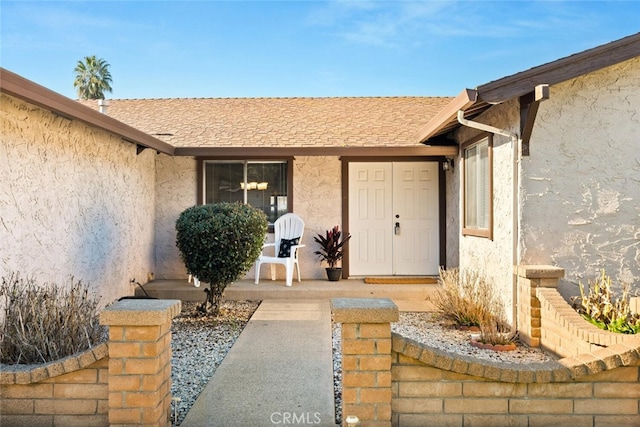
<point>397,229</point>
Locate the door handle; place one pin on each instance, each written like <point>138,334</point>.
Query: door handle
<point>397,229</point>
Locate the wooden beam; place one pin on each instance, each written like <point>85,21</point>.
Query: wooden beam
<point>464,100</point>
<point>529,104</point>
<point>283,152</point>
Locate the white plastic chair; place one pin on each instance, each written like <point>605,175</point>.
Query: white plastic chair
<point>287,227</point>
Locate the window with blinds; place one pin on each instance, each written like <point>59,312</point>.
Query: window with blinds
<point>263,184</point>
<point>477,198</point>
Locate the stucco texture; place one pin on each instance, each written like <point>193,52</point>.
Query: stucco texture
<point>316,198</point>
<point>581,184</point>
<point>176,191</point>
<point>74,201</point>
<point>493,258</point>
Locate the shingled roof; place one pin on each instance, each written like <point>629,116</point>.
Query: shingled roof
<point>279,122</point>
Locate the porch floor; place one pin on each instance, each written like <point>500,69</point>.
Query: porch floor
<point>408,297</point>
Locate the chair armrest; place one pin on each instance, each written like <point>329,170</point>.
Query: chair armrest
<point>294,250</point>
<point>268,245</point>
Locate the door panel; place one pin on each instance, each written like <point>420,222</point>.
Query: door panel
<point>370,201</point>
<point>381,195</point>
<point>415,208</point>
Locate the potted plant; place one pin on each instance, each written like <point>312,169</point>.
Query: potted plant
<point>331,251</point>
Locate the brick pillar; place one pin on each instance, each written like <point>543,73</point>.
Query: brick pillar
<point>366,358</point>
<point>531,277</point>
<point>140,361</point>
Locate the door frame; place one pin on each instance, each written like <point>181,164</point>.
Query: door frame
<point>442,208</point>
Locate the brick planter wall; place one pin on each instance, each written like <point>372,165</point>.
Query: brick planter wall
<point>431,387</point>
<point>70,392</point>
<point>366,357</point>
<point>140,361</point>
<point>130,386</point>
<point>596,382</point>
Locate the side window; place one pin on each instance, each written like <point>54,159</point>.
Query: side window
<point>261,184</point>
<point>478,187</point>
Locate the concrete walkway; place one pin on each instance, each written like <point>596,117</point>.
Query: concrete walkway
<point>279,371</point>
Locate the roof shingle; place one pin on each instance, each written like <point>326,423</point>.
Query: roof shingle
<point>279,122</point>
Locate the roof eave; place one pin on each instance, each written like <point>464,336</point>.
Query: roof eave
<point>520,84</point>
<point>19,87</point>
<point>464,100</point>
<point>561,70</point>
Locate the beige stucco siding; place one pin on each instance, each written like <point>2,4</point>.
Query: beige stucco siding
<point>176,191</point>
<point>74,201</point>
<point>581,189</point>
<point>494,257</point>
<point>316,198</point>
<point>453,215</point>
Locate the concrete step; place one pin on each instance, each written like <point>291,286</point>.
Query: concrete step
<point>307,289</point>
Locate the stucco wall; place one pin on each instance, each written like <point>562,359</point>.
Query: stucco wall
<point>581,185</point>
<point>454,214</point>
<point>316,198</point>
<point>74,201</point>
<point>175,191</point>
<point>494,257</point>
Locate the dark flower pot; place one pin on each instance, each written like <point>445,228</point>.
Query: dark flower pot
<point>334,274</point>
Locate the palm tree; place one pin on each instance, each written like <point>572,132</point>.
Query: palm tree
<point>92,78</point>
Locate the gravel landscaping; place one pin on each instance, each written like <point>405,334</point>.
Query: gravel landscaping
<point>199,345</point>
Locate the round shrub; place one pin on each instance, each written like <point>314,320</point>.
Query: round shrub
<point>218,243</point>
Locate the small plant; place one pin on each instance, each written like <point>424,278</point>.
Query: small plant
<point>601,308</point>
<point>218,243</point>
<point>331,246</point>
<point>495,332</point>
<point>43,323</point>
<point>467,299</point>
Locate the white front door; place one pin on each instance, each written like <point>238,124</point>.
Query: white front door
<point>393,218</point>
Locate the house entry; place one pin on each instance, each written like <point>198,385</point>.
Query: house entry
<point>393,218</point>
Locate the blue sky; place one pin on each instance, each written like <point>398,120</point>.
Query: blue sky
<point>162,49</point>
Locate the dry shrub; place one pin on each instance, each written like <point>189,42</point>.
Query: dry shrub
<point>43,323</point>
<point>467,298</point>
<point>601,307</point>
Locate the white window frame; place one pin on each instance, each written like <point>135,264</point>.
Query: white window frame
<point>477,190</point>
